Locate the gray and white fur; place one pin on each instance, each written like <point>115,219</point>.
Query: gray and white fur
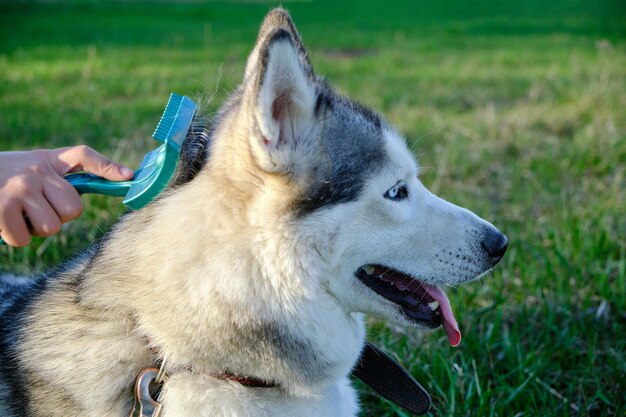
<point>246,265</point>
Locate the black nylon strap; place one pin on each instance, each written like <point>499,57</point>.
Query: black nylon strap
<point>389,379</point>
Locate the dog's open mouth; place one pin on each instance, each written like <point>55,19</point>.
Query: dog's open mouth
<point>422,303</point>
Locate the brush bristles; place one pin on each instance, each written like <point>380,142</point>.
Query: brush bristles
<point>168,118</point>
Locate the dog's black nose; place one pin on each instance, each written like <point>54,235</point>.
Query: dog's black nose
<point>495,243</point>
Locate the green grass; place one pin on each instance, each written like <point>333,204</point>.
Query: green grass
<point>517,110</point>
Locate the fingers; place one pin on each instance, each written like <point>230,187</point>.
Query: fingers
<point>63,198</point>
<point>46,210</point>
<point>13,187</point>
<point>43,219</point>
<point>13,229</point>
<point>82,157</point>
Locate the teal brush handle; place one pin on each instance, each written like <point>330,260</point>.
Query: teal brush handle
<point>92,184</point>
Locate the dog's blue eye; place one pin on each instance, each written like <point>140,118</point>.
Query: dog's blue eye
<point>397,192</point>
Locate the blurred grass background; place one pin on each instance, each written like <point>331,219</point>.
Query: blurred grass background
<point>516,110</point>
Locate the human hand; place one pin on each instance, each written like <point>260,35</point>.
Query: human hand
<point>34,197</point>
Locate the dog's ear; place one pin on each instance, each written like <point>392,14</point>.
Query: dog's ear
<point>278,18</point>
<point>280,91</point>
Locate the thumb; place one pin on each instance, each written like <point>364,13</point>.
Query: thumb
<point>83,158</point>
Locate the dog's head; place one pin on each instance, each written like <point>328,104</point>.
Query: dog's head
<point>315,167</point>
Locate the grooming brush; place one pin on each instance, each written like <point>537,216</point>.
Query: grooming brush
<point>158,166</point>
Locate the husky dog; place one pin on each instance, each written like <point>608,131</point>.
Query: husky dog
<point>303,211</point>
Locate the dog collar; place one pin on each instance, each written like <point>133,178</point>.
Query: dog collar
<point>248,381</point>
<point>374,367</point>
<point>390,380</point>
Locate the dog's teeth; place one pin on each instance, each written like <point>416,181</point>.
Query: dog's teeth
<point>369,270</point>
<point>434,305</point>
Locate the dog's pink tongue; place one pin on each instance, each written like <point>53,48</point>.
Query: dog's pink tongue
<point>449,322</point>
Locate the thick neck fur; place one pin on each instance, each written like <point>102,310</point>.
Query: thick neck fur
<point>218,242</point>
